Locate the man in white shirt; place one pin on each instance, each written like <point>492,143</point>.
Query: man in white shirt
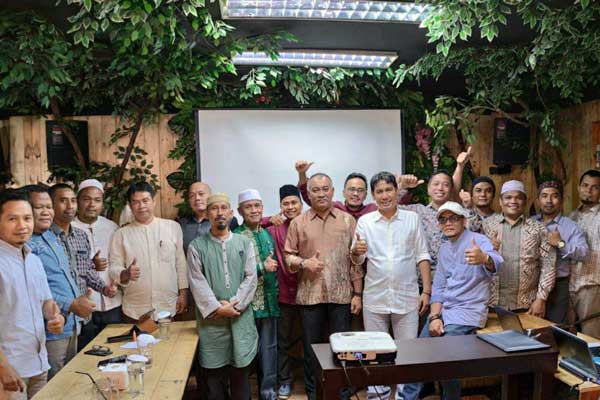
<point>393,242</point>
<point>25,298</point>
<point>99,231</point>
<point>147,259</point>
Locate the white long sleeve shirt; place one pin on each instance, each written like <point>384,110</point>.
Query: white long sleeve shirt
<point>395,247</point>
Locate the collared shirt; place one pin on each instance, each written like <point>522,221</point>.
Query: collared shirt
<point>476,221</point>
<point>332,237</point>
<point>99,234</point>
<point>158,249</point>
<point>264,303</point>
<point>78,249</point>
<point>463,289</point>
<point>287,280</point>
<point>394,246</point>
<point>509,275</point>
<point>575,249</point>
<point>192,228</point>
<point>62,285</point>
<point>537,260</point>
<point>356,213</point>
<point>587,272</point>
<point>431,229</point>
<point>23,291</point>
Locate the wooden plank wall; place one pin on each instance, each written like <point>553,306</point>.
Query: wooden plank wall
<point>29,163</point>
<point>576,126</point>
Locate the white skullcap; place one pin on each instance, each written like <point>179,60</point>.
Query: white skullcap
<point>247,195</point>
<point>88,183</point>
<point>510,186</point>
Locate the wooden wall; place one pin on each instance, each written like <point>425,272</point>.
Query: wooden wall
<point>29,163</point>
<point>579,125</point>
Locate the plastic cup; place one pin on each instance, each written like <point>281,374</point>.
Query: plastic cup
<point>136,365</point>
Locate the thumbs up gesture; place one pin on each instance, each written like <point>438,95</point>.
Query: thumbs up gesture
<point>271,264</point>
<point>408,181</point>
<point>360,246</point>
<point>314,265</point>
<point>465,198</point>
<point>99,262</point>
<point>83,306</point>
<point>497,241</point>
<point>474,255</point>
<point>56,321</point>
<point>110,290</point>
<point>134,270</point>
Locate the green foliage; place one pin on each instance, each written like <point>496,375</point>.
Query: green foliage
<point>529,81</point>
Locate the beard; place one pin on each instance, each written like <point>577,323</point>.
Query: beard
<point>221,225</point>
<point>586,201</point>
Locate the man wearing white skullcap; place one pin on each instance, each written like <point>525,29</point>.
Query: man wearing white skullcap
<point>99,231</point>
<point>222,276</point>
<point>264,304</point>
<point>528,273</point>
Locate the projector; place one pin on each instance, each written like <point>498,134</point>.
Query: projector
<point>371,347</point>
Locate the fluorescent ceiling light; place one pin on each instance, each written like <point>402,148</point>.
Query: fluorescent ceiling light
<point>348,10</point>
<point>313,58</point>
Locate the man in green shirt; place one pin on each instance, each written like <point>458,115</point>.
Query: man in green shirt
<point>264,304</point>
<point>222,278</point>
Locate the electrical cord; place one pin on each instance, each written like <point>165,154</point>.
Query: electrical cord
<point>343,362</point>
<point>364,367</point>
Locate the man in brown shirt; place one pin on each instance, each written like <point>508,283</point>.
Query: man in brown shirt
<point>329,285</point>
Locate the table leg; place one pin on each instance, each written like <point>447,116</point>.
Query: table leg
<point>543,386</point>
<point>510,387</point>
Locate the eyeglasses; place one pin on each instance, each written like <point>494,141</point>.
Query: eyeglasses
<point>452,218</point>
<point>356,190</point>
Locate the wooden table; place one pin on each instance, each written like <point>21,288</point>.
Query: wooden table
<point>587,390</point>
<point>428,359</point>
<point>165,380</point>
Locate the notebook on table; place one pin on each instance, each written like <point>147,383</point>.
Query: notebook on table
<point>512,341</point>
<point>578,356</point>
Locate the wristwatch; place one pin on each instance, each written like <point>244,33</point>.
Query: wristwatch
<point>561,244</point>
<point>359,294</point>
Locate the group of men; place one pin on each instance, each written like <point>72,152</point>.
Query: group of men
<point>66,271</point>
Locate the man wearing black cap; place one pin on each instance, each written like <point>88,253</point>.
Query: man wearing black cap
<point>291,207</point>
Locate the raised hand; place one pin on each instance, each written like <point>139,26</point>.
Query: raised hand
<point>302,166</point>
<point>314,266</point>
<point>277,219</point>
<point>270,264</point>
<point>100,263</point>
<point>56,321</point>
<point>497,241</point>
<point>474,255</point>
<point>360,246</point>
<point>134,270</point>
<point>83,306</point>
<point>110,290</point>
<point>408,181</point>
<point>465,198</point>
<point>554,238</point>
<point>464,156</point>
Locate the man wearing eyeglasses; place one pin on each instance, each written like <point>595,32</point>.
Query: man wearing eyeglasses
<point>355,191</point>
<point>467,263</point>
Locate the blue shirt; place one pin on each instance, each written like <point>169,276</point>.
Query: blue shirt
<point>463,289</point>
<point>60,279</point>
<point>576,247</point>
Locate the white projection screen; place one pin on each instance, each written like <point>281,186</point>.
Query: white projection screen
<point>241,149</point>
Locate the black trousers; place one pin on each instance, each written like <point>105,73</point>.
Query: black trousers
<point>226,383</point>
<point>314,320</point>
<point>98,322</point>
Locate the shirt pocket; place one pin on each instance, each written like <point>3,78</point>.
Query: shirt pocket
<point>167,251</point>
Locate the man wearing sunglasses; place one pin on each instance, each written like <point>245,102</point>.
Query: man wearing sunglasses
<point>467,263</point>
